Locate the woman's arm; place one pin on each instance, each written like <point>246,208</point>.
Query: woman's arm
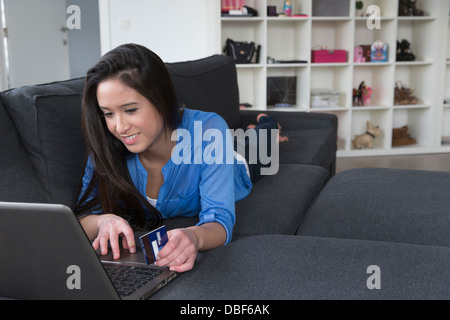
<point>210,235</point>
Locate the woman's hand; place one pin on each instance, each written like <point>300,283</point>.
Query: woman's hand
<point>180,251</point>
<point>110,227</point>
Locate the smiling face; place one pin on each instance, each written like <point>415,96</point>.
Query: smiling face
<point>130,117</point>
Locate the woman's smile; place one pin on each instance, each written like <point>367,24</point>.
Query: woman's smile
<point>129,140</point>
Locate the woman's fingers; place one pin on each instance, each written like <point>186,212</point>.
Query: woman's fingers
<point>111,227</point>
<point>180,252</point>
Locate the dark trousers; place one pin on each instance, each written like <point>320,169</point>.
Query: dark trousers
<point>265,122</point>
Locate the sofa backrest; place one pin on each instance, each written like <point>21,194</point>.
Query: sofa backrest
<point>47,118</point>
<point>18,180</point>
<point>208,84</point>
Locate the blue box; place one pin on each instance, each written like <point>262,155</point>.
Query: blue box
<point>379,52</point>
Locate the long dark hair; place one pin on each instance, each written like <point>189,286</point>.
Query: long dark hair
<point>142,70</point>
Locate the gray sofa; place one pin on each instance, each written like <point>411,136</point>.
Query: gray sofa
<point>304,233</point>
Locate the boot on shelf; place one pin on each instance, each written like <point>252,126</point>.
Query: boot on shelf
<point>414,10</point>
<point>404,95</point>
<point>409,8</point>
<point>404,52</point>
<point>403,8</point>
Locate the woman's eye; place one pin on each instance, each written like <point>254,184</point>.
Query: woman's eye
<point>107,114</point>
<point>131,110</point>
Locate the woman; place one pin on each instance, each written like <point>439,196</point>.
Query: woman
<point>132,124</point>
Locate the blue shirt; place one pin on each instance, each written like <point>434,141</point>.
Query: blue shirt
<point>202,178</point>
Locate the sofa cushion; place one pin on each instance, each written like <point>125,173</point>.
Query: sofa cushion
<point>299,267</point>
<point>18,182</point>
<point>383,204</point>
<point>276,204</point>
<point>318,147</point>
<point>48,121</point>
<point>208,84</point>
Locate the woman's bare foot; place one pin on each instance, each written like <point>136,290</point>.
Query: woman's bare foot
<point>259,116</point>
<point>280,138</point>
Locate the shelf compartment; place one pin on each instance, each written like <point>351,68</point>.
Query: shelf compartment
<point>418,32</point>
<point>302,88</point>
<point>258,5</point>
<point>380,118</point>
<point>388,8</point>
<point>286,39</point>
<point>380,79</point>
<point>416,119</point>
<point>417,78</point>
<point>245,30</point>
<point>366,36</point>
<point>298,6</point>
<point>250,81</point>
<point>333,77</point>
<point>333,34</point>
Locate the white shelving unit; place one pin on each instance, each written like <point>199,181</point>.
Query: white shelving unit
<point>293,38</point>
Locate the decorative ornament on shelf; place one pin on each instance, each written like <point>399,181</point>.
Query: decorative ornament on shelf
<point>359,8</point>
<point>287,8</point>
<point>379,52</point>
<point>363,95</point>
<point>359,55</point>
<point>366,140</point>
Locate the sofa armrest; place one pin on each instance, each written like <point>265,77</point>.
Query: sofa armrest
<point>293,120</point>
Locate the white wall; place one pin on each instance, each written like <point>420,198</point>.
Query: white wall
<point>176,30</point>
<point>37,41</point>
<point>3,77</point>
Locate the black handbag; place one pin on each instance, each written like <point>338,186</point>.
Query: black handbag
<point>241,52</point>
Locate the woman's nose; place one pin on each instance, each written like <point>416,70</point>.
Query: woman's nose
<point>122,125</point>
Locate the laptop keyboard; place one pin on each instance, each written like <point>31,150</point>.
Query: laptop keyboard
<point>127,279</point>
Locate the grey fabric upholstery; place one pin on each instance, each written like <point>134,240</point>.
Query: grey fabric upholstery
<point>302,267</point>
<point>383,204</point>
<point>18,180</point>
<point>208,84</point>
<point>48,120</point>
<point>287,196</point>
<point>280,210</point>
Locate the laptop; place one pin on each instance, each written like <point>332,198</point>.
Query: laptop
<point>45,254</point>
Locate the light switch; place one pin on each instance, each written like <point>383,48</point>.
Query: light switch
<point>125,24</point>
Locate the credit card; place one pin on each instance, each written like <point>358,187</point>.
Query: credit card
<point>153,242</point>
